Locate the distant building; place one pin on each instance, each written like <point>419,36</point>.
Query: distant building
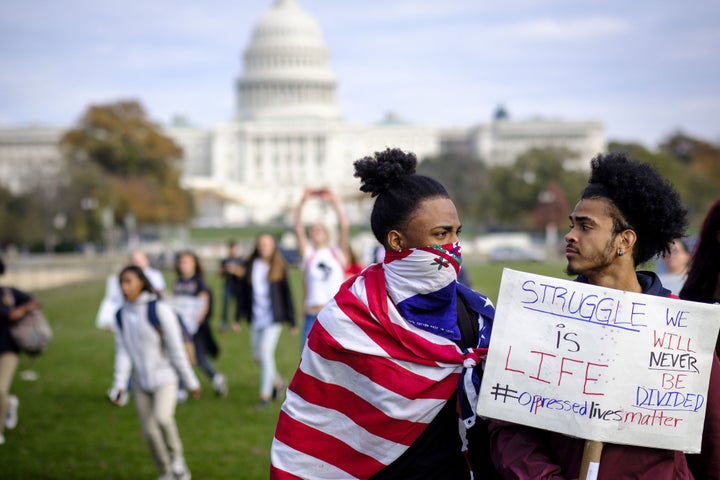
<point>502,141</point>
<point>27,156</point>
<point>288,134</point>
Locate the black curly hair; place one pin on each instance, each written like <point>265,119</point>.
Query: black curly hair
<point>390,176</point>
<point>643,202</point>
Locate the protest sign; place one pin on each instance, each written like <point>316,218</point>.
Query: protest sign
<point>598,363</point>
<point>189,308</point>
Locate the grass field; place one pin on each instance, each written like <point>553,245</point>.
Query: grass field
<point>69,430</point>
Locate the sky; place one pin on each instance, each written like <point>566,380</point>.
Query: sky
<point>644,68</point>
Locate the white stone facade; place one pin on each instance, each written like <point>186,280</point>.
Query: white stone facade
<point>28,155</point>
<point>500,142</point>
<point>260,168</point>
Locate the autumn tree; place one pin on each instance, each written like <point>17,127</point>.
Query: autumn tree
<point>526,194</point>
<point>515,192</point>
<point>118,159</point>
<point>676,161</point>
<point>20,219</point>
<point>701,156</point>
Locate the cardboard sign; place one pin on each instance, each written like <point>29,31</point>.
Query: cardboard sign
<point>598,363</point>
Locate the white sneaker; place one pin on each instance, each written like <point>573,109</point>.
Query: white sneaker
<point>180,470</point>
<point>219,385</point>
<point>11,419</point>
<point>183,476</point>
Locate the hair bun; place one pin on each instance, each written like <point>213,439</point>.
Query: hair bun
<point>384,169</point>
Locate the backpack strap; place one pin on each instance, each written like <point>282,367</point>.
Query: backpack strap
<point>152,314</point>
<point>467,322</point>
<point>155,322</point>
<point>118,319</point>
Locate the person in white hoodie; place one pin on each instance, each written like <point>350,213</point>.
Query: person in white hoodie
<point>151,357</point>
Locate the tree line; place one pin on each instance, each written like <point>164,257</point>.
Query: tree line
<point>120,172</point>
<point>537,188</point>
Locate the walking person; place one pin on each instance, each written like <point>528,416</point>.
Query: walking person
<point>269,304</point>
<point>232,273</point>
<point>390,358</point>
<point>323,264</point>
<point>151,357</point>
<point>14,304</point>
<point>114,299</point>
<point>627,215</point>
<point>190,282</point>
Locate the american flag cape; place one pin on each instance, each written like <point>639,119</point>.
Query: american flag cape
<point>367,386</point>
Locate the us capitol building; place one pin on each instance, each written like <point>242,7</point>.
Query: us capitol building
<point>288,134</point>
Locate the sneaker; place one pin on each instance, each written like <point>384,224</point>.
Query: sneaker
<point>278,389</point>
<point>262,404</point>
<point>180,470</point>
<point>2,439</point>
<point>11,419</point>
<point>219,385</point>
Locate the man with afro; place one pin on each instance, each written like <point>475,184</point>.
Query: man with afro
<point>627,214</point>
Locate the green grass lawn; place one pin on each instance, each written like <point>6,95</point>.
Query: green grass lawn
<point>69,430</point>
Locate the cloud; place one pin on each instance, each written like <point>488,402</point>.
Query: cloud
<point>700,104</point>
<point>564,29</point>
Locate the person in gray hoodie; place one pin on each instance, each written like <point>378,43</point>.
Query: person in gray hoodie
<point>149,352</point>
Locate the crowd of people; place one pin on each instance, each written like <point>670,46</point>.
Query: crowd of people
<point>392,354</point>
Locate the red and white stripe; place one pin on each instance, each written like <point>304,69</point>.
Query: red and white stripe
<point>367,386</point>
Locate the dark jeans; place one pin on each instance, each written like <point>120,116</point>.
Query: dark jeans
<point>230,292</point>
<point>201,354</point>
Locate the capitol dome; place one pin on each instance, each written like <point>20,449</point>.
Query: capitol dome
<point>287,72</point>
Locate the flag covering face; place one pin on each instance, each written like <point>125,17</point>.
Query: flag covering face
<point>370,381</point>
<point>422,283</point>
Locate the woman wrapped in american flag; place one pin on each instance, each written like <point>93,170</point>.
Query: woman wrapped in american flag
<point>388,380</point>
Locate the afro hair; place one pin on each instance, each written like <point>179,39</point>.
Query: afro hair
<point>649,204</point>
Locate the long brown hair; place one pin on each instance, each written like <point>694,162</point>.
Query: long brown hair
<point>278,266</point>
<point>196,259</point>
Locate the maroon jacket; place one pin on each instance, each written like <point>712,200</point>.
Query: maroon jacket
<point>526,453</point>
